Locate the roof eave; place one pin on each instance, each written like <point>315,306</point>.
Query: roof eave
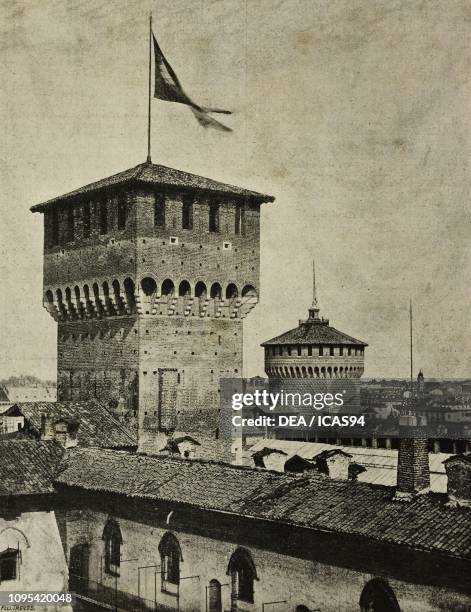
<point>91,189</point>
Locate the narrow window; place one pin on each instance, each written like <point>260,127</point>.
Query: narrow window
<point>309,351</point>
<point>187,212</point>
<point>243,574</point>
<point>159,210</point>
<point>86,220</point>
<point>103,217</point>
<point>121,211</point>
<point>280,350</point>
<point>55,226</point>
<point>70,222</point>
<point>214,596</point>
<point>341,351</point>
<point>240,219</point>
<point>113,540</point>
<point>214,217</point>
<point>331,351</point>
<point>321,351</point>
<point>170,558</point>
<point>299,351</point>
<point>349,351</point>
<point>9,564</point>
<point>289,351</point>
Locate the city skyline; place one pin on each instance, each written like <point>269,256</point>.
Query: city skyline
<point>343,159</point>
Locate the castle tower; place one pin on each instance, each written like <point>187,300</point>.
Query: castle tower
<point>314,349</point>
<point>149,274</point>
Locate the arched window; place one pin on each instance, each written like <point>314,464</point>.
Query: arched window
<point>170,559</point>
<point>243,573</point>
<point>216,291</point>
<point>149,286</point>
<point>168,288</point>
<point>184,290</point>
<point>9,564</point>
<point>200,290</point>
<point>377,596</point>
<point>214,596</point>
<point>113,540</point>
<point>231,291</point>
<point>249,292</point>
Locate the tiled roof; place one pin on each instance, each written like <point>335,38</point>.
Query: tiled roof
<point>316,331</point>
<point>98,427</point>
<point>380,463</point>
<point>161,176</point>
<point>28,467</point>
<point>316,502</point>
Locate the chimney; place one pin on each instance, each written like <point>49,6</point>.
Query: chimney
<point>47,428</point>
<point>458,471</point>
<point>334,463</point>
<point>66,432</point>
<point>413,470</point>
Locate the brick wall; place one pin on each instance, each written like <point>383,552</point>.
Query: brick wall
<point>298,567</point>
<point>107,337</point>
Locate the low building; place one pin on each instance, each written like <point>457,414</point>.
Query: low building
<point>84,423</point>
<point>168,533</point>
<point>31,553</point>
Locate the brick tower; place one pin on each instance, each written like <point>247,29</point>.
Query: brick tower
<point>149,274</point>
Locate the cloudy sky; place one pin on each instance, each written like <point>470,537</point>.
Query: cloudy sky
<point>355,114</point>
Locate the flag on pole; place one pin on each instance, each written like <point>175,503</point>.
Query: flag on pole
<point>167,87</point>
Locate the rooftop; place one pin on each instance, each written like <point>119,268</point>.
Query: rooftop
<point>316,501</point>
<point>157,176</point>
<point>314,331</point>
<point>98,426</point>
<point>28,467</point>
<point>380,463</point>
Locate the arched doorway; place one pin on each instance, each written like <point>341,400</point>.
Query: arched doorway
<point>378,596</point>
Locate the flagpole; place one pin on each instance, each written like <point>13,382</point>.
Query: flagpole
<point>149,160</point>
<point>411,351</point>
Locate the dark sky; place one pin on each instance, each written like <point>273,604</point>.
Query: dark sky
<point>354,114</point>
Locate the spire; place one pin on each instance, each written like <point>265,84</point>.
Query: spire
<point>314,295</point>
<point>314,310</point>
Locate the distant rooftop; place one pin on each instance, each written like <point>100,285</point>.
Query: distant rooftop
<point>98,426</point>
<point>157,176</point>
<point>380,463</point>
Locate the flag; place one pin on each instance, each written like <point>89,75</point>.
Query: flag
<point>167,87</point>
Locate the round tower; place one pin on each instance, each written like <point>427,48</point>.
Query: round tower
<point>314,349</point>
